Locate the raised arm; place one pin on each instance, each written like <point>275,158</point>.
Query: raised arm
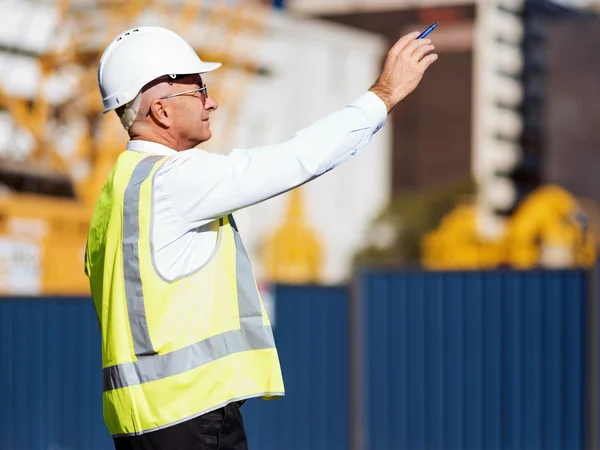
<point>249,176</point>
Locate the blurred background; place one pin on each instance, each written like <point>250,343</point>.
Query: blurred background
<point>438,291</point>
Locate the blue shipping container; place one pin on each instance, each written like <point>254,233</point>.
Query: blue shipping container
<point>51,376</point>
<point>311,333</point>
<point>475,360</point>
<point>452,361</point>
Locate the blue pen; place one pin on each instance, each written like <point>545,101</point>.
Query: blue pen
<point>427,31</point>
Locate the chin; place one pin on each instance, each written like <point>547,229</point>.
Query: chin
<point>205,136</point>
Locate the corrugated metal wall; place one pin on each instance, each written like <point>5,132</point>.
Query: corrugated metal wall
<point>50,382</point>
<point>475,361</point>
<point>51,376</point>
<point>451,361</point>
<point>311,335</point>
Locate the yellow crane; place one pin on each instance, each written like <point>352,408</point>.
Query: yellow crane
<point>51,230</point>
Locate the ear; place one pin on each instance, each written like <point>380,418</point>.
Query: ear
<point>160,113</point>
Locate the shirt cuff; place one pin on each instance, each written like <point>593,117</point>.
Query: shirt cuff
<point>374,109</point>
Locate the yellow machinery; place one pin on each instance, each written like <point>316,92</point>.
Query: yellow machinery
<point>457,245</point>
<point>42,236</point>
<point>551,228</point>
<point>293,254</point>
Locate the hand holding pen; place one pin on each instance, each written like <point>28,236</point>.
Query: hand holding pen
<point>404,67</point>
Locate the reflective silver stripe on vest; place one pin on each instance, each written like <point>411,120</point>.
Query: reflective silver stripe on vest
<point>131,259</point>
<point>151,366</point>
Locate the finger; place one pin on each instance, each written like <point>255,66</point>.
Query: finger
<point>404,41</point>
<point>413,46</point>
<point>428,61</point>
<point>421,51</point>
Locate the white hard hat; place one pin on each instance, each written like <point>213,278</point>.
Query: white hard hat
<point>141,55</point>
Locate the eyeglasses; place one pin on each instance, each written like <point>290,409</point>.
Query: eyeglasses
<point>203,91</point>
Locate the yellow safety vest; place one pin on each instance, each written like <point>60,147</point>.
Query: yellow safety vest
<point>171,349</point>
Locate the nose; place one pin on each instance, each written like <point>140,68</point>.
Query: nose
<point>210,104</point>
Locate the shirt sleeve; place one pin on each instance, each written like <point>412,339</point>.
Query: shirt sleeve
<point>203,186</point>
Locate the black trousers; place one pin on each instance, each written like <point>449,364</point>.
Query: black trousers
<point>222,429</point>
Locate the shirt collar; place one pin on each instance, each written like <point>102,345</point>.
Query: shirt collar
<point>150,147</point>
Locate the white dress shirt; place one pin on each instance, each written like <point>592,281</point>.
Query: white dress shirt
<point>195,187</point>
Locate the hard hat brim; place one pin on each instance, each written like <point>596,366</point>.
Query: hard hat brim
<point>209,66</point>
<point>203,67</point>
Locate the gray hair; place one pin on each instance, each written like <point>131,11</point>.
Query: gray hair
<point>130,112</point>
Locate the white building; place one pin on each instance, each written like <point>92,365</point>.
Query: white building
<point>316,69</point>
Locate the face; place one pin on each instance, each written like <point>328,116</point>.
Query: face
<point>187,115</point>
<point>192,121</point>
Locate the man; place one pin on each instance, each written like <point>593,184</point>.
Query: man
<point>185,337</point>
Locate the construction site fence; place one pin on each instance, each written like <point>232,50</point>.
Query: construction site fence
<point>394,360</point>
